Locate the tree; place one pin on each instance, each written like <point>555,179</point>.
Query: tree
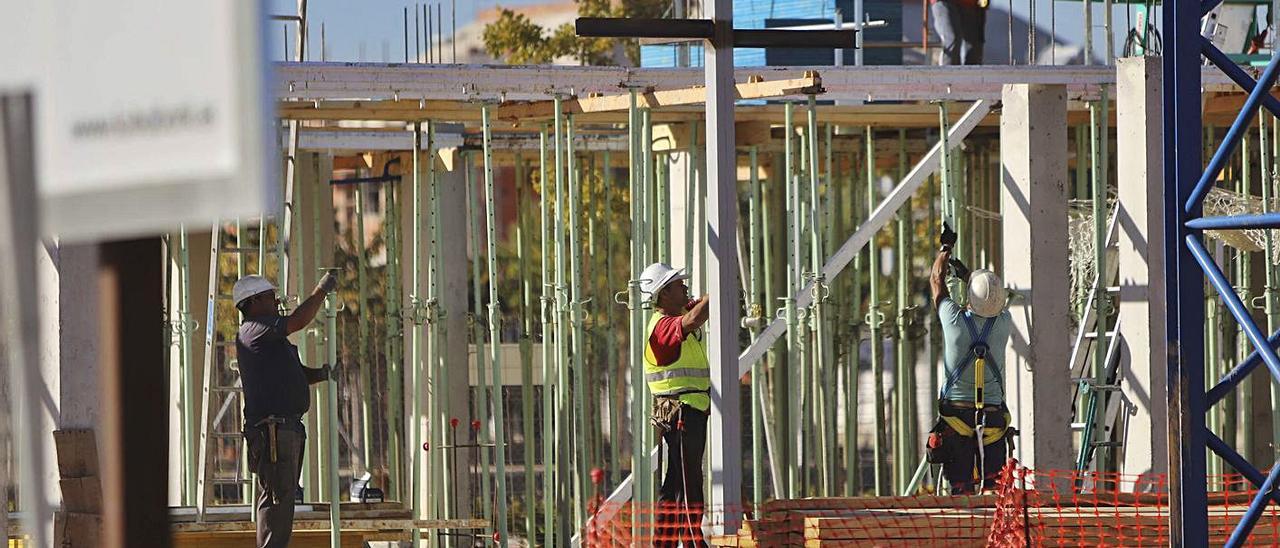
<point>515,39</point>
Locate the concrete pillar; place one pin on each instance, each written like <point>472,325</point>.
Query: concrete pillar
<point>1143,357</point>
<point>1033,200</point>
<point>453,296</point>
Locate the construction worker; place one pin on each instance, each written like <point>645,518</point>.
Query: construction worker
<point>971,400</point>
<point>961,25</point>
<point>275,397</point>
<point>676,369</point>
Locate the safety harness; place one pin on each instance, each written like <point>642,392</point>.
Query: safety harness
<point>977,355</point>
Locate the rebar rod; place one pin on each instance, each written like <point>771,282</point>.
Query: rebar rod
<point>495,361</point>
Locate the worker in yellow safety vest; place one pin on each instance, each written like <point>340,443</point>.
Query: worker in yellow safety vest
<point>679,376</point>
<point>972,436</point>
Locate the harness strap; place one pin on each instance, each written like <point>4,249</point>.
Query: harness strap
<point>979,341</point>
<point>990,434</point>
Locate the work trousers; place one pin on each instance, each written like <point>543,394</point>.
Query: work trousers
<point>962,29</point>
<point>680,499</point>
<point>277,481</point>
<point>961,452</point>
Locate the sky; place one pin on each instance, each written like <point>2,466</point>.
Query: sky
<point>373,30</point>
<point>371,26</point>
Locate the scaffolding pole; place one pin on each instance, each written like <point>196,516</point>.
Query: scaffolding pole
<point>500,502</point>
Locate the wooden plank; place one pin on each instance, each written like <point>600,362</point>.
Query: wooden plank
<point>323,524</point>
<point>753,89</point>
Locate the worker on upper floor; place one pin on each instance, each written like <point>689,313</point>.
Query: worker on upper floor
<point>961,25</point>
<point>275,398</point>
<point>971,404</point>
<point>679,376</point>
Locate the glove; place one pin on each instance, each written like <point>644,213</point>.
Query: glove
<point>327,284</point>
<point>326,372</point>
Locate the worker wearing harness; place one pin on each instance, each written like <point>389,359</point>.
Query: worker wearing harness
<point>275,398</point>
<point>971,401</point>
<point>679,376</point>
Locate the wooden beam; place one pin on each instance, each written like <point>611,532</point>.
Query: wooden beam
<point>756,88</point>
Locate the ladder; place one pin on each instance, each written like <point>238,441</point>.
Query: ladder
<point>221,373</point>
<point>1093,395</point>
<point>221,387</point>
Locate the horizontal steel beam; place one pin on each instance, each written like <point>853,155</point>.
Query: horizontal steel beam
<point>781,38</point>
<point>636,27</point>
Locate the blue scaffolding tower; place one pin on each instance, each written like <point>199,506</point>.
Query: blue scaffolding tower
<point>1188,263</point>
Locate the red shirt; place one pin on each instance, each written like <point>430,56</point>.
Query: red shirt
<point>666,340</point>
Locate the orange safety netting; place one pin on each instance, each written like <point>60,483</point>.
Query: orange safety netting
<point>1028,508</point>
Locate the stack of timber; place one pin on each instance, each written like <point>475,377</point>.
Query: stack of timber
<point>954,522</point>
<point>79,522</point>
<point>360,523</point>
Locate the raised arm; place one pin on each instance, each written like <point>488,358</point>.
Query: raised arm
<point>938,276</point>
<point>306,312</point>
<point>698,312</point>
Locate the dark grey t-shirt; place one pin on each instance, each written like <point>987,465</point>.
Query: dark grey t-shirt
<point>274,383</point>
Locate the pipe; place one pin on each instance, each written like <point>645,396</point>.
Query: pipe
<point>575,319</point>
<point>794,361</point>
<point>873,321</point>
<point>639,457</point>
<point>818,317</point>
<point>526,348</point>
<point>415,335</point>
<point>754,312</point>
<point>548,398</point>
<point>362,338</point>
<point>331,423</point>
<point>481,403</point>
<point>500,453</point>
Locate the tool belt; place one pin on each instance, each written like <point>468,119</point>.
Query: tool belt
<point>961,419</point>
<point>665,413</point>
<point>271,425</point>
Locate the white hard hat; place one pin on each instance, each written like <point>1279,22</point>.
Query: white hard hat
<point>987,294</point>
<point>656,276</point>
<point>249,286</point>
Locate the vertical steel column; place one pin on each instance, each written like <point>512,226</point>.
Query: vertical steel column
<point>416,451</point>
<point>189,426</point>
<point>331,423</point>
<point>575,317</point>
<point>817,318</point>
<point>640,466</point>
<point>548,360</point>
<point>1244,280</point>
<point>831,219</point>
<point>564,481</point>
<point>755,313</point>
<point>393,342</point>
<point>526,349</point>
<point>853,463</point>
<point>873,320</point>
<point>1188,503</point>
<point>480,403</point>
<point>491,235</point>
<point>362,335</point>
<point>1269,283</point>
<point>905,414</point>
<point>795,413</point>
<point>615,386</point>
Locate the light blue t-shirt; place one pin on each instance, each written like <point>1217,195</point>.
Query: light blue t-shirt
<point>956,342</point>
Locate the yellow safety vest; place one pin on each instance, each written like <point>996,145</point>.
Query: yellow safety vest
<point>688,378</point>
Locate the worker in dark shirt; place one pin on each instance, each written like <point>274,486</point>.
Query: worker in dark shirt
<point>679,376</point>
<point>275,397</point>
<point>961,26</point>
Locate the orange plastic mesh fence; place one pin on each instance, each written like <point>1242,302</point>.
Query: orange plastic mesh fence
<point>1028,508</point>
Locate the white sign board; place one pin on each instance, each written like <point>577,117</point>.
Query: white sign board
<point>151,113</point>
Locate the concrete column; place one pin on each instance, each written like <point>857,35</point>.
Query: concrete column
<point>454,291</point>
<point>1033,200</point>
<point>1143,357</point>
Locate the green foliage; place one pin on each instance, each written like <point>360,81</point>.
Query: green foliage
<point>514,39</point>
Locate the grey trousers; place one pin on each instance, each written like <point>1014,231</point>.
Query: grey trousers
<point>277,481</point>
<point>962,30</point>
